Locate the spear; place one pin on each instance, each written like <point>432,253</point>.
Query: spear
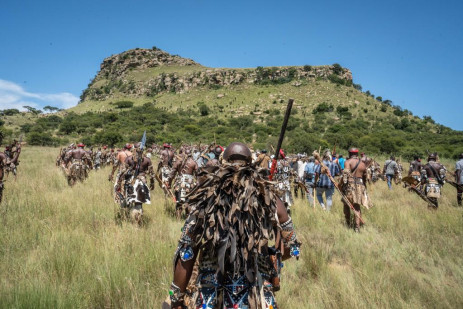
<point>344,198</point>
<point>280,139</point>
<point>165,187</point>
<point>412,183</point>
<point>454,184</point>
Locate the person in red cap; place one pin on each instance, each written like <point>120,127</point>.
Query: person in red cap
<point>354,179</point>
<point>78,163</point>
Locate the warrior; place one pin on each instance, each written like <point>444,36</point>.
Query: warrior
<point>282,175</point>
<point>235,213</point>
<point>10,153</point>
<point>459,178</point>
<point>398,173</point>
<point>136,192</point>
<point>165,165</point>
<point>119,164</point>
<point>415,168</point>
<point>6,161</point>
<point>62,162</point>
<point>217,152</point>
<point>263,160</point>
<point>364,157</point>
<point>98,159</point>
<point>354,187</point>
<point>433,178</point>
<point>186,169</point>
<point>104,156</point>
<point>78,163</point>
<point>112,157</point>
<point>298,167</point>
<point>91,154</point>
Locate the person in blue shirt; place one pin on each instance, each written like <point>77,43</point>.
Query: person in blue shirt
<point>309,179</point>
<point>324,184</point>
<point>341,161</point>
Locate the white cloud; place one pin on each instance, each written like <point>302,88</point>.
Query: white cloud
<point>14,96</point>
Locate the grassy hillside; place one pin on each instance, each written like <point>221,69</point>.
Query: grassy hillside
<point>176,99</point>
<point>61,248</point>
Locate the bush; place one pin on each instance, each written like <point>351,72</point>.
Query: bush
<point>203,109</point>
<point>109,138</point>
<point>323,108</point>
<point>41,139</point>
<point>337,69</point>
<point>67,127</point>
<point>339,81</point>
<point>307,68</point>
<point>10,112</point>
<point>124,104</point>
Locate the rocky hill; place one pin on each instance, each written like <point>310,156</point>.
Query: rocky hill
<point>120,75</point>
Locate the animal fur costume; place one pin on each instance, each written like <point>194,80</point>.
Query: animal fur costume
<point>233,217</point>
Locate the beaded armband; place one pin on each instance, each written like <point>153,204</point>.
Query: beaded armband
<point>289,238</point>
<point>185,244</point>
<point>176,296</point>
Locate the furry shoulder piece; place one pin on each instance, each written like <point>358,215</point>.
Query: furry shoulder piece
<point>233,216</point>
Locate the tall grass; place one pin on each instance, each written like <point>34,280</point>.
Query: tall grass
<point>61,247</point>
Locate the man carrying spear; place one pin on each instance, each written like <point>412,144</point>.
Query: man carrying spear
<point>354,188</point>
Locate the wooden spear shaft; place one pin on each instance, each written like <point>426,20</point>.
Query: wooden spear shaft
<point>344,198</point>
<point>280,140</point>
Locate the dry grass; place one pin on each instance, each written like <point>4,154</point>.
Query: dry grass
<point>61,248</point>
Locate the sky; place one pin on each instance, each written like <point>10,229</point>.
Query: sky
<point>406,51</point>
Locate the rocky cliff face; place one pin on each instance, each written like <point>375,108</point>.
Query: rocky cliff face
<point>118,65</point>
<point>114,78</point>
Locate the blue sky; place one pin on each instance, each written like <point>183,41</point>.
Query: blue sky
<point>405,51</point>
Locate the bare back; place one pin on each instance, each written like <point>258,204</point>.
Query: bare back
<point>353,164</point>
<point>123,155</point>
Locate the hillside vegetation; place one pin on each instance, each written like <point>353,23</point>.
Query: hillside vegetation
<point>60,247</point>
<point>176,99</point>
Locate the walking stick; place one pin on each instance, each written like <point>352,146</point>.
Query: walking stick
<point>280,139</point>
<point>344,198</point>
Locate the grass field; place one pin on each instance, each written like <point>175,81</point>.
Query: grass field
<point>60,247</point>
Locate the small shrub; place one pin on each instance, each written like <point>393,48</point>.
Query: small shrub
<point>124,104</point>
<point>323,108</point>
<point>203,109</point>
<point>337,69</point>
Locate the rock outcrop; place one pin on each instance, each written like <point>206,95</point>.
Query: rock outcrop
<point>114,78</point>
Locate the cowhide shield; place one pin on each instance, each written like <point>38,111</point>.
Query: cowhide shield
<point>138,192</point>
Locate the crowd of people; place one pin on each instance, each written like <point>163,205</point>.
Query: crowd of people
<point>235,200</point>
